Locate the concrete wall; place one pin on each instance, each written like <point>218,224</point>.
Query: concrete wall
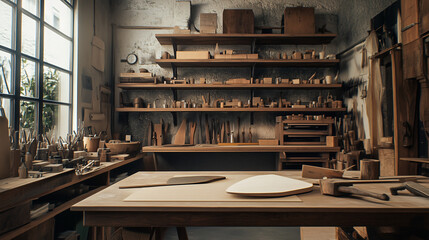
<point>349,18</point>
<point>83,67</point>
<point>167,13</point>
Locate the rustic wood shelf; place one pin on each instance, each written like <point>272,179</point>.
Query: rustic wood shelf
<point>315,110</point>
<point>247,62</point>
<point>419,160</point>
<point>225,86</point>
<point>16,191</point>
<point>57,210</point>
<point>245,39</point>
<point>241,148</point>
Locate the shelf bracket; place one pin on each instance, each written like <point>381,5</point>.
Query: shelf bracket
<point>174,44</point>
<point>174,114</point>
<point>174,91</point>
<point>253,71</point>
<point>252,118</point>
<point>174,68</point>
<point>253,46</point>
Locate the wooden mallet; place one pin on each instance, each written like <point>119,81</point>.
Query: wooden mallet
<point>342,188</point>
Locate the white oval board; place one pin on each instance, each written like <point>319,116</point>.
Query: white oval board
<point>270,185</point>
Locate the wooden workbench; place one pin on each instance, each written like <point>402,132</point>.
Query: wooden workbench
<point>213,148</point>
<point>108,208</point>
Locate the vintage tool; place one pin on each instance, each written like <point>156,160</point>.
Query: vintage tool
<point>415,188</point>
<point>238,129</point>
<point>180,137</point>
<point>205,103</point>
<point>192,127</point>
<point>320,172</point>
<point>206,129</point>
<point>149,134</point>
<point>158,128</point>
<point>228,132</point>
<point>250,135</point>
<point>342,188</point>
<point>222,133</point>
<point>179,181</point>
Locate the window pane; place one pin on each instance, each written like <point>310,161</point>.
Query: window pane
<point>28,78</point>
<point>57,49</point>
<point>6,25</point>
<point>31,6</point>
<point>7,106</point>
<point>5,73</point>
<point>28,115</point>
<point>59,15</point>
<point>29,36</point>
<point>56,85</point>
<point>56,118</point>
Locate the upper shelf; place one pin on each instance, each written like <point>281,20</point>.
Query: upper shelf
<point>245,39</point>
<point>247,62</point>
<point>224,86</point>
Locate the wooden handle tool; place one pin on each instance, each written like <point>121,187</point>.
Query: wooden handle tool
<point>341,188</point>
<point>178,181</point>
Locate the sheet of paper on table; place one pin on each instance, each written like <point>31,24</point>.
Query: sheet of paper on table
<point>210,192</point>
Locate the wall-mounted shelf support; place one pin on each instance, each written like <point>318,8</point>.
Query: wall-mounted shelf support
<point>253,46</point>
<point>174,114</point>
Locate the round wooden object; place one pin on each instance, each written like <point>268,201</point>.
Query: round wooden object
<point>369,169</point>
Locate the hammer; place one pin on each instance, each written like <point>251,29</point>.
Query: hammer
<point>340,188</point>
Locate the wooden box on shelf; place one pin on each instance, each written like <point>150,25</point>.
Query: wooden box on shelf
<point>238,21</point>
<point>192,55</point>
<point>299,20</point>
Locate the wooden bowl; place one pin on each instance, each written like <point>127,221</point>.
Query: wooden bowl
<point>123,147</point>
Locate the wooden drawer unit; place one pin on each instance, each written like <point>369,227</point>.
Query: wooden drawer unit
<point>303,132</point>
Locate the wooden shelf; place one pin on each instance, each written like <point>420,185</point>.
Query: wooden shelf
<point>130,109</point>
<point>241,148</point>
<point>247,63</point>
<point>225,86</point>
<point>57,210</point>
<point>245,39</point>
<point>18,190</point>
<point>419,160</point>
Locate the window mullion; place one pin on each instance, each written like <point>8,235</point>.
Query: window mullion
<point>41,65</point>
<point>17,64</point>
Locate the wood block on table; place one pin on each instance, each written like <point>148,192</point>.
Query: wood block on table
<point>238,21</point>
<point>136,75</point>
<point>192,55</point>
<point>299,20</point>
<point>268,141</point>
<point>53,168</point>
<point>267,80</point>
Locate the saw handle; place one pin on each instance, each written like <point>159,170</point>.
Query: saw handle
<point>353,190</point>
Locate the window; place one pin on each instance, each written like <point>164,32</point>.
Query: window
<point>36,57</point>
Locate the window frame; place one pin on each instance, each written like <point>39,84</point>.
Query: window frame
<point>17,55</point>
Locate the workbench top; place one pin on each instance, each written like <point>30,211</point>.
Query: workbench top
<point>240,148</point>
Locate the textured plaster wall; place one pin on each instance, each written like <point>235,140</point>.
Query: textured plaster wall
<point>85,32</point>
<point>165,13</point>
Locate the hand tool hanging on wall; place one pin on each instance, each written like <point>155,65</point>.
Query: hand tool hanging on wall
<point>192,127</point>
<point>206,130</point>
<point>180,137</point>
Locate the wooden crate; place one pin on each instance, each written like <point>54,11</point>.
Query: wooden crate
<point>299,20</point>
<point>192,55</point>
<point>238,21</point>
